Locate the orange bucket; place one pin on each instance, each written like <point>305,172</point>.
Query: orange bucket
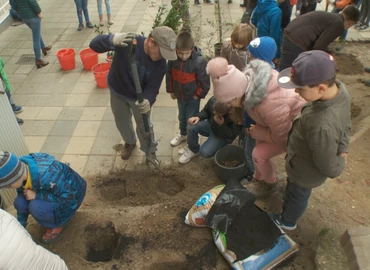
<point>89,58</point>
<point>66,58</point>
<point>100,73</point>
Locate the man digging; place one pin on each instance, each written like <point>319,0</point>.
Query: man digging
<point>151,54</point>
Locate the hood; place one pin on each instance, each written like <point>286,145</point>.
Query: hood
<point>196,52</point>
<point>258,74</point>
<point>264,5</point>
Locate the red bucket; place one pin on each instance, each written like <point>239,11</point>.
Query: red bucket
<point>66,58</point>
<point>100,73</point>
<point>89,58</point>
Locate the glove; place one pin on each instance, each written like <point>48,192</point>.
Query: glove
<point>123,39</point>
<point>144,107</point>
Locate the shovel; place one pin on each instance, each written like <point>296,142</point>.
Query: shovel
<point>148,135</point>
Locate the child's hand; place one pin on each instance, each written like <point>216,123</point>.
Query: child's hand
<point>29,194</point>
<point>173,96</point>
<point>193,120</point>
<point>344,155</point>
<point>219,119</point>
<point>40,15</point>
<point>195,97</point>
<point>251,130</point>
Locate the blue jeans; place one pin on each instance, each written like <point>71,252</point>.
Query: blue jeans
<point>81,6</point>
<point>107,6</point>
<point>187,110</point>
<point>210,146</point>
<point>10,100</point>
<point>42,211</point>
<point>295,201</point>
<point>38,43</point>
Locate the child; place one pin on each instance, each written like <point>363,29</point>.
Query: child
<point>4,78</point>
<point>100,11</point>
<point>186,81</point>
<point>234,48</point>
<point>267,18</point>
<point>47,189</point>
<point>319,139</point>
<point>213,122</point>
<point>270,106</point>
<point>263,48</point>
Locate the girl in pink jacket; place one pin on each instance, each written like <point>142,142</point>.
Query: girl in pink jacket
<point>271,107</point>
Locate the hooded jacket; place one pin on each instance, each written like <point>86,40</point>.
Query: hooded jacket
<point>228,131</point>
<point>238,58</point>
<point>267,18</point>
<point>55,182</point>
<point>272,107</point>
<point>187,79</point>
<point>19,251</point>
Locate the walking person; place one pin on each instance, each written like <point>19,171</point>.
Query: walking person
<point>100,12</point>
<point>151,54</point>
<point>81,6</point>
<point>30,12</point>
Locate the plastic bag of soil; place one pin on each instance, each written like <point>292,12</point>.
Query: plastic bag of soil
<point>254,241</point>
<point>198,212</point>
<point>227,205</point>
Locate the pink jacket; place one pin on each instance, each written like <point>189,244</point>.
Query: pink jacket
<point>271,107</point>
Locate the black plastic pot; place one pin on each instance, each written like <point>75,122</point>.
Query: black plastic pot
<point>230,153</point>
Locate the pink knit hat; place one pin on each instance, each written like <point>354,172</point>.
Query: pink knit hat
<point>228,82</point>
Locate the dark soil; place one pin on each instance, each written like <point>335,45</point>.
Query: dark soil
<point>231,163</point>
<point>348,64</point>
<point>251,231</point>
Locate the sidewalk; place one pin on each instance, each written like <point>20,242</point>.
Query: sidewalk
<point>65,113</point>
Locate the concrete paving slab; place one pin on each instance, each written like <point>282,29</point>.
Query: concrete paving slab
<point>37,127</point>
<point>55,144</point>
<point>37,100</point>
<point>86,129</point>
<point>80,145</point>
<point>99,100</point>
<point>49,113</point>
<point>29,113</point>
<point>77,162</point>
<point>77,100</point>
<point>104,146</point>
<point>71,113</point>
<point>99,165</point>
<point>63,128</point>
<point>35,143</point>
<point>108,129</point>
<point>164,114</point>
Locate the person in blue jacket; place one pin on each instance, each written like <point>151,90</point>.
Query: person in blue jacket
<point>47,189</point>
<point>151,54</point>
<point>267,18</point>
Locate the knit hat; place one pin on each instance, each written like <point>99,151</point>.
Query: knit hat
<point>263,48</point>
<point>11,169</point>
<point>228,82</point>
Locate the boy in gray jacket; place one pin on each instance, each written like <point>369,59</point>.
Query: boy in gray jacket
<point>319,139</point>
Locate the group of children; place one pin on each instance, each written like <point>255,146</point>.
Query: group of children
<point>303,112</point>
<point>268,108</point>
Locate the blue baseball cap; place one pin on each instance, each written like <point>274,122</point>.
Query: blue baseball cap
<point>263,48</point>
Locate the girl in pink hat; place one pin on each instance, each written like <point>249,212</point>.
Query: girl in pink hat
<point>271,107</point>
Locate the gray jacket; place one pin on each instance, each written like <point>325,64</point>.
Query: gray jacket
<point>317,138</point>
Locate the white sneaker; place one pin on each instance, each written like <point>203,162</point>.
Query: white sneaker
<point>183,150</point>
<point>178,139</point>
<point>187,156</point>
